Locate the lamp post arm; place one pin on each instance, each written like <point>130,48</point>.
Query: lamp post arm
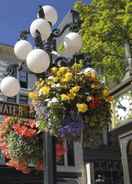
<point>38,40</point>
<point>75,25</point>
<point>86,57</point>
<point>41,12</point>
<point>57,33</point>
<point>62,61</point>
<point>11,69</point>
<point>24,34</point>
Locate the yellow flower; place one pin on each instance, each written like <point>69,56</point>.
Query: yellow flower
<point>54,70</point>
<point>62,70</point>
<point>64,97</point>
<point>72,96</point>
<point>50,83</point>
<point>55,79</point>
<point>42,83</point>
<point>82,107</point>
<point>68,77</point>
<point>75,89</point>
<point>39,84</point>
<point>44,90</point>
<point>33,95</point>
<point>105,92</point>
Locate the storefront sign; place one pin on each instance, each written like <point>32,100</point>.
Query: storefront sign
<point>23,111</point>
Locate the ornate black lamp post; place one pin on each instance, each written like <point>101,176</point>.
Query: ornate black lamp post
<point>39,59</point>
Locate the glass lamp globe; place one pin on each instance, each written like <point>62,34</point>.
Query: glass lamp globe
<point>50,14</point>
<point>38,61</point>
<point>22,48</point>
<point>10,86</point>
<point>91,71</point>
<point>42,26</point>
<point>88,69</point>
<point>72,42</point>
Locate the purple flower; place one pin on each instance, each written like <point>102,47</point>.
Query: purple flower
<point>71,128</point>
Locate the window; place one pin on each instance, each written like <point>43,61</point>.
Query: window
<point>23,77</point>
<point>11,99</point>
<point>68,159</point>
<point>70,153</point>
<point>23,99</point>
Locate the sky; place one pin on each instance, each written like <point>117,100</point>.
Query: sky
<point>17,15</point>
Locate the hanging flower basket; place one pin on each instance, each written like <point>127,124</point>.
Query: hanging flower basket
<point>70,100</point>
<point>21,144</point>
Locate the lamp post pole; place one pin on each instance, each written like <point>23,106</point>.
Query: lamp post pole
<point>39,59</point>
<point>49,141</point>
<point>49,152</point>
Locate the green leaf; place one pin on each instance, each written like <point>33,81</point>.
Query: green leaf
<point>105,27</point>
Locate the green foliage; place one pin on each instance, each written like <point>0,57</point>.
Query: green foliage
<point>21,148</point>
<point>106,25</point>
<point>60,49</point>
<point>55,118</point>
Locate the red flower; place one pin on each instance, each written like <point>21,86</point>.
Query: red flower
<point>24,130</point>
<point>60,151</point>
<point>28,132</point>
<point>94,103</point>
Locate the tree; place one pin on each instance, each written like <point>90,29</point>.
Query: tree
<point>106,26</point>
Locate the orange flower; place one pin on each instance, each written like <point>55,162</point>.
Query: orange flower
<point>19,165</point>
<point>40,165</point>
<point>6,119</point>
<point>110,98</point>
<point>31,123</point>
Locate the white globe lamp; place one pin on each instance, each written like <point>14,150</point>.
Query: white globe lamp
<point>90,72</point>
<point>42,26</point>
<point>72,42</point>
<point>21,49</point>
<point>10,86</point>
<point>38,61</point>
<point>89,69</point>
<point>50,14</point>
